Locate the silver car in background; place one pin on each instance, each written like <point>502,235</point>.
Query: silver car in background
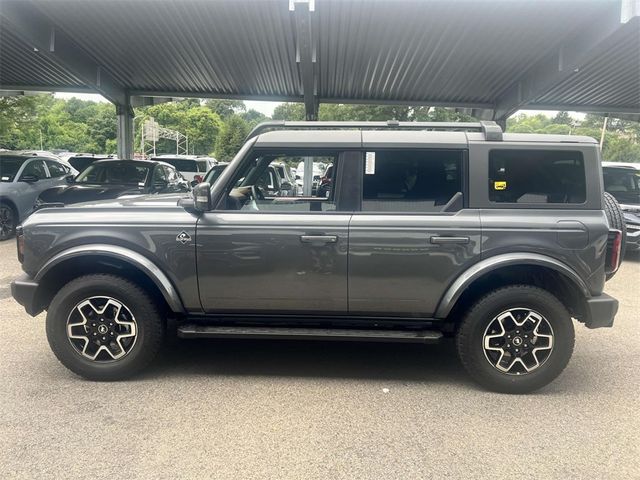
<point>23,177</point>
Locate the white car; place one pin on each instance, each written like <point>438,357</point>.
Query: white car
<point>192,167</point>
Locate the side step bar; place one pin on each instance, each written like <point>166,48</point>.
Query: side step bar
<point>292,333</point>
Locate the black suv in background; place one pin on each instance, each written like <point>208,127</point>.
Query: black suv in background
<point>426,230</point>
<point>622,180</point>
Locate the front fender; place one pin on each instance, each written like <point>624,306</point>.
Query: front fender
<point>135,259</point>
<point>490,264</point>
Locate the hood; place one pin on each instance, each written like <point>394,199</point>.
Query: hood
<point>86,193</point>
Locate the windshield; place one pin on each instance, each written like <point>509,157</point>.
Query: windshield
<point>80,163</point>
<point>181,164</point>
<point>214,173</point>
<point>9,167</point>
<point>623,184</point>
<point>117,173</point>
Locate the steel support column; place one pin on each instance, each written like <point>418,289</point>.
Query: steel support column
<point>124,114</point>
<point>306,55</point>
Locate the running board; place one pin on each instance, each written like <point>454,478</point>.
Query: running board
<point>291,333</point>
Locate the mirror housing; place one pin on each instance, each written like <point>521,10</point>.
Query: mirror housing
<point>29,178</point>
<point>202,197</point>
<point>69,178</point>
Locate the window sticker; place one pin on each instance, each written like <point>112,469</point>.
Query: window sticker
<point>499,185</point>
<point>370,163</point>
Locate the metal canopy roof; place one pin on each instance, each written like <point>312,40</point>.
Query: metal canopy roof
<point>494,55</point>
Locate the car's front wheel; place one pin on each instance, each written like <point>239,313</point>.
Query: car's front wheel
<point>104,327</point>
<point>516,339</point>
<point>8,221</point>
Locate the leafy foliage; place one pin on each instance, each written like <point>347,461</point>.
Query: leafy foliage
<point>231,138</point>
<point>220,126</point>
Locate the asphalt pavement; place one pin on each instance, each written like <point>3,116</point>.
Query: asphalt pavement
<point>292,410</point>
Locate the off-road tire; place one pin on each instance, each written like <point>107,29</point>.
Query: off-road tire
<point>470,338</point>
<point>150,326</point>
<point>615,216</point>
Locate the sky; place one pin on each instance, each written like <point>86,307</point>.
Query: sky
<point>266,108</point>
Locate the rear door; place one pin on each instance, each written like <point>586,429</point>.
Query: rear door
<point>413,234</point>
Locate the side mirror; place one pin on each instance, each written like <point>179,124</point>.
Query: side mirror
<point>202,197</point>
<point>29,178</point>
<point>69,178</point>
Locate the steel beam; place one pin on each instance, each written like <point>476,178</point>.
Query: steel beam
<point>125,115</point>
<point>36,30</point>
<point>566,60</point>
<point>306,55</point>
<point>613,109</point>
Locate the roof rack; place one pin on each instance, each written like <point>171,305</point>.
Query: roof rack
<point>491,130</point>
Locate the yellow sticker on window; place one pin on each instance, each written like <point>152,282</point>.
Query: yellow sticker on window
<point>499,185</point>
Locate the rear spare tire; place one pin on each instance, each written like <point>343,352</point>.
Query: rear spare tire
<point>615,217</point>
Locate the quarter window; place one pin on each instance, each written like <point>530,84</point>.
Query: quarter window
<point>412,180</point>
<point>536,176</point>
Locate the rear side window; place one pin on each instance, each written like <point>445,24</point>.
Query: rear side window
<point>55,169</point>
<point>411,180</point>
<point>536,177</point>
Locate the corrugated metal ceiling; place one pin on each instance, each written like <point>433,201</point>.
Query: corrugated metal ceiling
<point>449,52</point>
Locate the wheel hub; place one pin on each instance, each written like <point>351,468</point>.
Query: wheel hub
<point>518,341</point>
<point>102,329</point>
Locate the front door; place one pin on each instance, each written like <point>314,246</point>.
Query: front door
<point>413,235</point>
<point>264,251</point>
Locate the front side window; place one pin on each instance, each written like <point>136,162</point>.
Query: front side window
<point>114,172</point>
<point>260,186</point>
<point>536,176</point>
<point>35,168</point>
<point>412,180</point>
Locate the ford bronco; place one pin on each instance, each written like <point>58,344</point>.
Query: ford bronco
<point>428,230</point>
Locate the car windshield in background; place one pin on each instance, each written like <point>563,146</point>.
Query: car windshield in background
<point>214,173</point>
<point>623,184</point>
<point>118,173</point>
<point>181,164</point>
<point>80,163</point>
<point>9,167</point>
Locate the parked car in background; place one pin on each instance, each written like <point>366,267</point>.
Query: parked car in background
<point>214,172</point>
<point>80,162</point>
<point>109,179</point>
<point>48,154</point>
<point>622,180</point>
<point>22,178</point>
<point>318,171</point>
<point>287,178</point>
<point>192,167</point>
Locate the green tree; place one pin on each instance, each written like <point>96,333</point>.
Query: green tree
<point>225,108</point>
<point>231,138</point>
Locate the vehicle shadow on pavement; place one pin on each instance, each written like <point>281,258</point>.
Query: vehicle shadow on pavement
<point>376,361</point>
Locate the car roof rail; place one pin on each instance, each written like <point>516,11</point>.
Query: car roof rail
<point>491,130</point>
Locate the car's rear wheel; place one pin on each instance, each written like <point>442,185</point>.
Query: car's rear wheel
<point>103,327</point>
<point>8,221</point>
<point>516,339</point>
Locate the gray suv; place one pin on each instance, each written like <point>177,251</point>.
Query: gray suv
<point>428,231</point>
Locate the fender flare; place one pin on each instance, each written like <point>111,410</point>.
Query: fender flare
<point>490,264</point>
<point>127,255</point>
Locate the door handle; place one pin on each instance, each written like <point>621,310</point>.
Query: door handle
<point>318,238</point>
<point>448,240</point>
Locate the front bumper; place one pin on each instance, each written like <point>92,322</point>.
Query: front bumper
<point>633,237</point>
<point>24,291</point>
<point>601,311</point>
